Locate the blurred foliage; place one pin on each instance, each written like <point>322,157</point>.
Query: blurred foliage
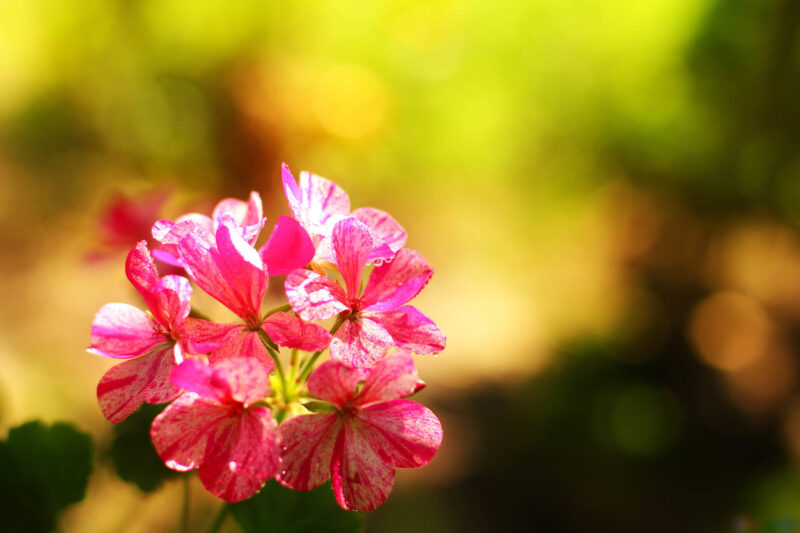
<point>42,471</point>
<point>132,452</point>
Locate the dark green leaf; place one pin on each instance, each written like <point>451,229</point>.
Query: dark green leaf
<point>42,470</point>
<point>132,452</point>
<point>278,509</point>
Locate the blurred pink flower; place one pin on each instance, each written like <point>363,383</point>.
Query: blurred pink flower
<point>364,438</point>
<point>230,270</point>
<point>152,344</point>
<point>216,428</point>
<point>318,204</point>
<point>378,319</point>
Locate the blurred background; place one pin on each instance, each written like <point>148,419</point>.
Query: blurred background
<point>609,192</point>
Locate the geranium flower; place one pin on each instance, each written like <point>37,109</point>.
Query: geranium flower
<point>377,319</point>
<point>246,217</point>
<point>318,204</point>
<point>152,344</point>
<point>364,438</point>
<point>216,428</point>
<point>231,271</point>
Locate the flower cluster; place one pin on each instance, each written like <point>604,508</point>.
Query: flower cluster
<point>242,412</point>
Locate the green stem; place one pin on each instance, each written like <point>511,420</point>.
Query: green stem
<point>272,353</point>
<point>280,308</point>
<point>313,359</point>
<point>223,512</point>
<point>185,509</point>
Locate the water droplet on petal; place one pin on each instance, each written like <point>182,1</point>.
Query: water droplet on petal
<point>232,466</point>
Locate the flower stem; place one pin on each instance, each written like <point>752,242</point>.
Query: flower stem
<point>313,359</point>
<point>223,512</point>
<point>272,353</point>
<point>280,308</point>
<point>185,508</point>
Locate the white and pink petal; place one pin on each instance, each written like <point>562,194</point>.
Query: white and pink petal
<point>314,297</point>
<point>307,449</point>
<point>360,342</point>
<point>123,331</point>
<point>292,332</point>
<point>404,434</point>
<point>411,330</point>
<point>360,479</point>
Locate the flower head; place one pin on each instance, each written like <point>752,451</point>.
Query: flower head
<point>318,204</point>
<point>377,319</point>
<point>366,436</point>
<point>150,344</point>
<point>215,427</point>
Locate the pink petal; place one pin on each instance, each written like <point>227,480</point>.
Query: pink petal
<point>392,377</point>
<point>314,297</point>
<point>403,433</point>
<point>292,332</point>
<point>186,430</point>
<point>361,481</point>
<point>288,247</point>
<point>245,344</point>
<point>248,378</point>
<point>393,284</point>
<point>351,244</point>
<point>169,232</point>
<point>388,235</point>
<point>197,376</point>
<point>244,213</point>
<point>411,330</point>
<point>145,379</point>
<point>232,272</point>
<point>245,454</point>
<point>315,202</point>
<point>360,342</point>
<point>141,270</point>
<point>121,330</point>
<point>307,449</point>
<point>200,336</point>
<point>333,382</point>
<point>171,301</point>
<point>168,253</point>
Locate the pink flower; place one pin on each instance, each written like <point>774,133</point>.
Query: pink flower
<point>151,344</point>
<point>216,428</point>
<point>318,204</point>
<point>230,270</point>
<point>367,436</point>
<point>245,217</point>
<point>377,319</point>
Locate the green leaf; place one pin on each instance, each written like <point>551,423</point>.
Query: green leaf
<point>283,510</point>
<point>132,452</point>
<point>42,471</point>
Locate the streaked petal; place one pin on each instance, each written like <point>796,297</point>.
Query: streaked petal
<point>360,342</point>
<point>320,199</point>
<point>245,344</point>
<point>361,481</point>
<point>404,434</point>
<point>387,234</point>
<point>121,330</point>
<point>307,449</point>
<point>171,301</point>
<point>248,377</point>
<point>334,382</point>
<point>351,245</point>
<point>232,272</point>
<point>197,376</point>
<point>288,247</point>
<point>186,430</point>
<point>314,297</point>
<point>200,336</point>
<point>397,282</point>
<point>125,386</point>
<point>141,270</point>
<point>411,330</point>
<point>292,332</point>
<point>169,232</point>
<point>244,455</point>
<point>392,377</point>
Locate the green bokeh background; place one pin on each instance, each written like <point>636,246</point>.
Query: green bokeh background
<point>609,192</point>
